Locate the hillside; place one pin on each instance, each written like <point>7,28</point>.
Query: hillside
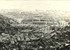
<point>34,17</point>
<point>5,24</point>
<point>35,31</point>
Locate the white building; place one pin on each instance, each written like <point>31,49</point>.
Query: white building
<point>63,23</point>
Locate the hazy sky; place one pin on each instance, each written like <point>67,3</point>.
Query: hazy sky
<point>33,5</point>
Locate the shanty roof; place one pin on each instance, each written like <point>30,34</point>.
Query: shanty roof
<point>44,30</point>
<point>26,30</point>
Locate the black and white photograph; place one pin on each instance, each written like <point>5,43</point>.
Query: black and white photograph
<point>34,25</point>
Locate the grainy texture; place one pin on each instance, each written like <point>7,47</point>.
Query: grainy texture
<point>35,31</point>
<point>35,25</point>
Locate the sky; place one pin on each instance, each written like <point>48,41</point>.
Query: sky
<point>35,5</point>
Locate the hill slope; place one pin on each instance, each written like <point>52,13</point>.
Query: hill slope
<point>5,24</point>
